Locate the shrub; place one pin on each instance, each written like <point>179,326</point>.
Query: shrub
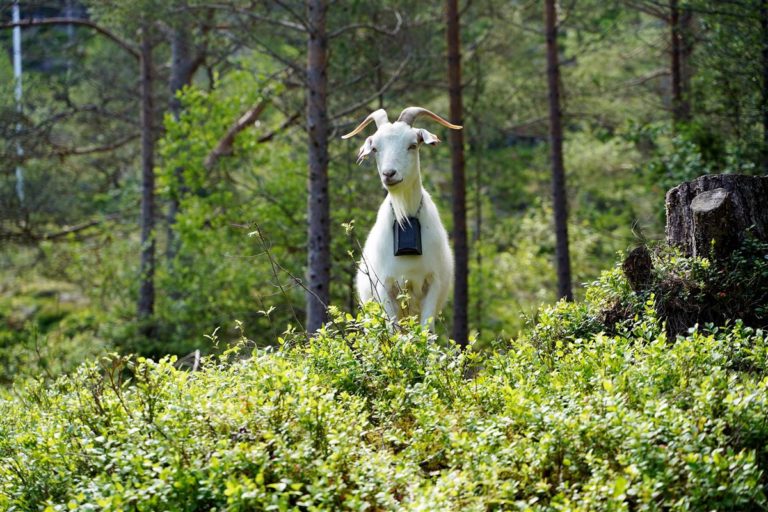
<point>364,418</point>
<point>686,292</point>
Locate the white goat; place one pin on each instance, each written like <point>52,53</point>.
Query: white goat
<point>427,276</point>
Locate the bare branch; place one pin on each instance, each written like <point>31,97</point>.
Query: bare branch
<point>395,76</point>
<point>250,14</point>
<point>28,237</point>
<point>224,147</point>
<point>660,8</point>
<point>353,26</point>
<point>296,16</point>
<point>281,23</point>
<point>640,80</point>
<point>298,69</point>
<point>78,227</point>
<point>275,266</point>
<point>65,151</point>
<point>34,22</point>
<point>286,124</point>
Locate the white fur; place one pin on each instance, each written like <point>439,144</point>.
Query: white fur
<point>382,276</point>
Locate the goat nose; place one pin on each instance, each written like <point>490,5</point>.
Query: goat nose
<point>389,173</point>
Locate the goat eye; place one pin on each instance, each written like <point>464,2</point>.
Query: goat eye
<point>373,150</point>
<point>413,146</point>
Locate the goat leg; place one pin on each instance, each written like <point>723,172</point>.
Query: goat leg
<point>429,304</point>
<point>387,293</point>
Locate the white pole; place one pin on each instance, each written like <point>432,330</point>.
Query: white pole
<point>17,76</point>
<point>69,12</point>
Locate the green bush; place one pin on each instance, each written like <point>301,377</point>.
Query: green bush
<point>685,292</point>
<point>362,417</point>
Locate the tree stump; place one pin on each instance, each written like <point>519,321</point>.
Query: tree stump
<point>710,216</point>
<point>637,268</point>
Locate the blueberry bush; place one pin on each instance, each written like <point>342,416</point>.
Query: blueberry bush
<point>364,417</point>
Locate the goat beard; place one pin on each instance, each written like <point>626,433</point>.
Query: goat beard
<point>399,208</point>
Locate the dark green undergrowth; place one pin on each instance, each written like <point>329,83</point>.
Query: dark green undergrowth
<point>361,417</point>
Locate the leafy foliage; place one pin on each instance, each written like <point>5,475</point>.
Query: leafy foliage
<point>218,266</point>
<point>684,292</point>
<point>362,417</point>
<point>627,400</point>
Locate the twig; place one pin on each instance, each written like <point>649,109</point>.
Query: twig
<point>376,94</point>
<point>368,26</point>
<point>281,23</point>
<point>295,15</point>
<point>34,22</point>
<point>286,124</point>
<point>64,151</point>
<point>274,265</point>
<point>27,236</point>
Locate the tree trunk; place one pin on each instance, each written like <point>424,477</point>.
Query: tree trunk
<point>146,302</point>
<point>711,215</point>
<point>556,154</point>
<point>479,303</point>
<point>460,249</point>
<point>680,49</point>
<point>686,68</point>
<point>637,268</point>
<point>764,99</point>
<point>674,25</point>
<point>181,67</point>
<point>318,208</point>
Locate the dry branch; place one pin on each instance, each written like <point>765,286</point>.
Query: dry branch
<point>34,22</point>
<point>28,236</point>
<point>76,151</point>
<point>224,147</point>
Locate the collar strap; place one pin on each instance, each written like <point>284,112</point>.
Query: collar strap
<point>418,210</point>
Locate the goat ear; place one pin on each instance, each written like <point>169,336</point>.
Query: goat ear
<point>365,150</point>
<point>427,137</point>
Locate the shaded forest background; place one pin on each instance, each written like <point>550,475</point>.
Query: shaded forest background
<point>207,101</point>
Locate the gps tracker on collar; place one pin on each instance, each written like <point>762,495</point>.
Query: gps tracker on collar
<point>407,237</point>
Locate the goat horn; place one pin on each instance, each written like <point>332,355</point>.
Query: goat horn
<point>380,117</point>
<point>409,115</point>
